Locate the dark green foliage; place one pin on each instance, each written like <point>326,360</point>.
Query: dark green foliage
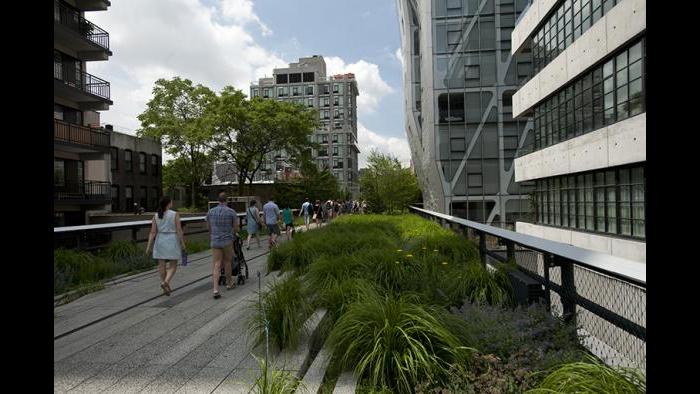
<point>394,342</point>
<point>285,307</point>
<point>591,376</point>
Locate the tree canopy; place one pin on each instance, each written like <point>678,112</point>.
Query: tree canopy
<point>386,186</point>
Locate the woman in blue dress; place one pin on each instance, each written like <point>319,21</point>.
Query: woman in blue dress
<point>252,218</point>
<point>169,241</point>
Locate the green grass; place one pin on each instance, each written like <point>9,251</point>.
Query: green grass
<point>285,308</point>
<point>388,282</point>
<point>591,376</point>
<point>194,246</point>
<point>394,342</point>
<point>74,269</point>
<point>276,381</point>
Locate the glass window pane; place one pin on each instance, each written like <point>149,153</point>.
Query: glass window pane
<point>635,53</point>
<point>621,61</point>
<point>622,77</point>
<point>635,70</point>
<point>608,68</point>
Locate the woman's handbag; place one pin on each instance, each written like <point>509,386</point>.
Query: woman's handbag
<point>314,218</point>
<point>184,257</point>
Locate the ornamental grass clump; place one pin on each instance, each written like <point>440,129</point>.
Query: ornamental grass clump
<point>74,268</point>
<point>286,308</point>
<point>275,381</point>
<point>592,376</point>
<point>394,342</point>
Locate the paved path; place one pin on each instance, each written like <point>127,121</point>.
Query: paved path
<point>185,343</point>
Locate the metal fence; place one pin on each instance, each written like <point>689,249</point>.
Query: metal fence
<point>604,295</point>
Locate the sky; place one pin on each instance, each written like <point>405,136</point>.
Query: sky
<point>235,42</point>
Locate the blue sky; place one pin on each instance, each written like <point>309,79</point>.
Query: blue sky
<point>233,42</point>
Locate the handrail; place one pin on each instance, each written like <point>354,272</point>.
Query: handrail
<point>614,266</point>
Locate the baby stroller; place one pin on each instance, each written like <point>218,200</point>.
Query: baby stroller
<point>240,267</point>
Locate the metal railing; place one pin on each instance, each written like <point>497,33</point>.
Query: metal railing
<point>97,236</point>
<point>82,190</point>
<point>603,294</point>
<point>77,134</point>
<point>79,79</point>
<point>74,21</point>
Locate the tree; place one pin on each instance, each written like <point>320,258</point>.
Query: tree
<point>176,173</point>
<point>179,115</point>
<point>314,184</point>
<point>386,186</point>
<point>245,132</point>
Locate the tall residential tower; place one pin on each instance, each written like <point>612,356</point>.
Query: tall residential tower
<point>459,80</point>
<point>335,97</point>
<point>587,98</point>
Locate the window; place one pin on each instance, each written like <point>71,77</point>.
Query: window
<point>324,138</point>
<point>611,92</point>
<point>335,151</point>
<point>281,78</point>
<point>127,161</point>
<point>266,92</point>
<point>143,200</point>
<point>310,102</point>
<point>309,90</point>
<point>114,156</point>
<point>154,198</point>
<point>256,92</point>
<point>296,90</point>
<point>325,89</point>
<point>154,165</point>
<point>325,101</point>
<point>295,78</point>
<point>610,201</point>
<point>59,172</point>
<point>142,163</point>
<point>115,198</point>
<point>471,72</point>
<point>308,77</point>
<point>129,197</point>
<point>335,137</point>
<point>282,91</point>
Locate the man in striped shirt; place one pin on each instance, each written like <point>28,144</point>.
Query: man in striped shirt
<point>222,223</point>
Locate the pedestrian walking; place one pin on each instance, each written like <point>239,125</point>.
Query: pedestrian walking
<point>252,222</point>
<point>272,213</point>
<point>166,229</point>
<point>288,219</point>
<point>222,223</point>
<point>318,213</point>
<point>307,211</point>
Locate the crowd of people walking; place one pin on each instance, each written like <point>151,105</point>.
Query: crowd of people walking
<point>166,239</point>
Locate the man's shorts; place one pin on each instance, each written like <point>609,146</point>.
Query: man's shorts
<point>273,228</point>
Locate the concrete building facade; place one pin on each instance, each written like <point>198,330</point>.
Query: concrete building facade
<point>137,176</point>
<point>587,98</point>
<point>459,81</point>
<point>82,176</point>
<point>335,97</point>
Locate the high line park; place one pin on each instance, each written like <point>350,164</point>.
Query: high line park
<point>407,303</point>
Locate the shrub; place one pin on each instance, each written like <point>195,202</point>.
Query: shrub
<point>121,250</point>
<point>275,381</point>
<point>477,284</point>
<point>193,246</point>
<point>73,268</point>
<point>393,342</point>
<point>285,307</point>
<point>591,376</point>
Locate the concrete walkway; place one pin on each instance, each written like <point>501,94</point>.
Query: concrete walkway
<point>185,343</point>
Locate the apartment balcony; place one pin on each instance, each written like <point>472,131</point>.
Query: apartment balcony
<point>74,31</point>
<point>83,192</point>
<point>80,139</point>
<point>90,92</point>
<point>93,5</point>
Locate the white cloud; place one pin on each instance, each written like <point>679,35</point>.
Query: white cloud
<point>368,140</point>
<point>163,38</point>
<point>399,56</point>
<point>370,84</point>
<point>241,12</point>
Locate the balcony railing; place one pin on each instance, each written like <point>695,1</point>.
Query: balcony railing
<point>603,294</point>
<point>81,80</point>
<point>82,190</point>
<point>77,134</point>
<point>74,21</point>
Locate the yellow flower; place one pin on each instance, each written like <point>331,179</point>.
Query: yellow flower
<point>399,250</point>
<point>435,250</point>
<point>444,263</point>
<point>424,248</point>
<point>396,262</point>
<point>409,255</point>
